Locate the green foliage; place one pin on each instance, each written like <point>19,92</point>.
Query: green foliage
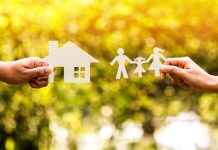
<point>182,28</point>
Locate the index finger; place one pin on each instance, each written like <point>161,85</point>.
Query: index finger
<point>179,62</point>
<point>34,62</point>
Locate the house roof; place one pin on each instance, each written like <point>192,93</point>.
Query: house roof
<point>68,55</point>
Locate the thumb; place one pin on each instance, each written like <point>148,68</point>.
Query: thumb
<point>174,70</point>
<point>40,71</point>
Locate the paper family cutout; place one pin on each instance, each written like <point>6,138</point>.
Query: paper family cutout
<point>156,64</point>
<point>76,62</point>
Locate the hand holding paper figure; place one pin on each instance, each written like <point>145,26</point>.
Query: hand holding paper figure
<point>185,72</point>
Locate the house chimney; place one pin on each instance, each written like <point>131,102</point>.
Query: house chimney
<point>52,46</point>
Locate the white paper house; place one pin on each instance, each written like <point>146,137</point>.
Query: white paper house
<point>75,61</point>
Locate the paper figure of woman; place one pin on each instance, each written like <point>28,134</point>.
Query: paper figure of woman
<point>156,64</point>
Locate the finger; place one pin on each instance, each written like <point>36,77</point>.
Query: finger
<point>34,85</point>
<point>40,64</point>
<point>163,74</point>
<point>40,71</point>
<point>179,82</point>
<point>169,61</point>
<point>41,83</point>
<point>179,62</point>
<point>41,78</point>
<point>34,62</point>
<point>173,70</point>
<point>38,84</point>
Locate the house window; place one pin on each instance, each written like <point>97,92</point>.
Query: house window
<point>79,72</point>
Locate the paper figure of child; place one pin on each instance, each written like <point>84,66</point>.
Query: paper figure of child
<point>156,64</point>
<point>121,59</point>
<point>139,69</point>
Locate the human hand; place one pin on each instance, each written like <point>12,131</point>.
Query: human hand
<point>186,72</point>
<point>28,70</point>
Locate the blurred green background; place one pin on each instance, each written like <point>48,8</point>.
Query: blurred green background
<point>181,28</point>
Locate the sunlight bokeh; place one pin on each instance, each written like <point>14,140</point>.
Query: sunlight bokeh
<point>106,114</point>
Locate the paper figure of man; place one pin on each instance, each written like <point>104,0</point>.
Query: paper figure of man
<point>121,59</point>
<point>139,69</point>
<point>156,64</point>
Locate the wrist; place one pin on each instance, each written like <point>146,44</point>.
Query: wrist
<point>5,71</point>
<point>214,84</point>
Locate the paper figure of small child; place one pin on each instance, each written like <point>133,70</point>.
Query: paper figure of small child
<point>156,64</point>
<point>139,69</point>
<point>121,59</point>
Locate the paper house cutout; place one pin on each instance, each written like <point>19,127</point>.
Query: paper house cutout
<point>75,61</point>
